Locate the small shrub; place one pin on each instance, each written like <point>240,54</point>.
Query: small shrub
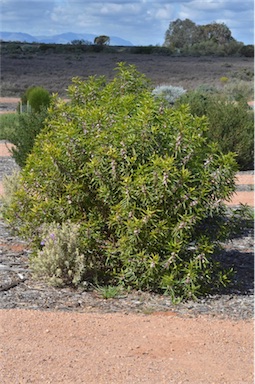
<point>23,137</point>
<point>224,80</point>
<point>168,92</point>
<point>59,261</point>
<point>206,88</point>
<point>138,177</point>
<point>108,291</point>
<point>38,98</point>
<point>8,125</point>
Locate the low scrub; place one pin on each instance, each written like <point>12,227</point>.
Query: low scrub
<point>140,180</point>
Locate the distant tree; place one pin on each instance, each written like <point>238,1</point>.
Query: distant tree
<point>80,42</point>
<point>180,33</point>
<point>186,36</point>
<point>247,50</point>
<point>102,40</point>
<point>217,32</point>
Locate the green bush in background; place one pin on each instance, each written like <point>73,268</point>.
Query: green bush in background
<point>38,98</point>
<point>141,180</point>
<point>34,99</point>
<point>230,123</point>
<point>23,137</point>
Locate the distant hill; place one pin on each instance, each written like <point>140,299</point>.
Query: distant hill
<point>63,38</point>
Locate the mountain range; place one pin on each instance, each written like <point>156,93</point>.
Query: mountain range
<point>63,38</point>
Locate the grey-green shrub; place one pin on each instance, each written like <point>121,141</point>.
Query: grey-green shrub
<point>140,179</point>
<point>59,261</point>
<point>168,93</point>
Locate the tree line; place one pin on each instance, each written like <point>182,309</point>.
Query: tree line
<point>186,37</point>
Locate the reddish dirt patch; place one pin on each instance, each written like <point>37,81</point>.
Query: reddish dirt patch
<point>242,197</point>
<point>68,348</point>
<point>9,100</point>
<point>13,247</point>
<point>244,179</point>
<point>5,149</point>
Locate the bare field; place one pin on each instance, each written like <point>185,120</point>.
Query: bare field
<point>55,71</point>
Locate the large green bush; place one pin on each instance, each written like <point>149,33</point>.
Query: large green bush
<point>230,123</point>
<point>139,179</point>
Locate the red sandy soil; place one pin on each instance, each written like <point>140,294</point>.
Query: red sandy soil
<point>69,348</point>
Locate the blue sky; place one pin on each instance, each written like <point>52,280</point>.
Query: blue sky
<point>143,22</point>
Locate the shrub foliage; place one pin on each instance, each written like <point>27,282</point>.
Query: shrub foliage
<point>231,123</point>
<point>140,179</point>
<point>23,137</point>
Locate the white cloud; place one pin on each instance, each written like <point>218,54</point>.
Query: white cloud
<point>143,22</point>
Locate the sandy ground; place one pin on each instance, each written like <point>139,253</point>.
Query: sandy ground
<point>68,348</point>
<point>160,348</point>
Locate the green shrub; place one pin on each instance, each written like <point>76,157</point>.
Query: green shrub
<point>108,291</point>
<point>8,125</point>
<point>38,98</point>
<point>34,99</point>
<point>231,124</point>
<point>29,125</point>
<point>139,179</point>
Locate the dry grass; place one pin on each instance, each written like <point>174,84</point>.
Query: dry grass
<point>55,71</point>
